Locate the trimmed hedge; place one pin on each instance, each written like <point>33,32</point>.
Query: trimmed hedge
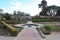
<point>12,30</point>
<point>46,20</point>
<point>12,22</point>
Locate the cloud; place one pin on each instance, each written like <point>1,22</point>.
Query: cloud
<point>32,9</point>
<point>29,7</point>
<point>16,5</point>
<point>53,2</point>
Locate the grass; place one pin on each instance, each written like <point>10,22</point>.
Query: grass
<point>55,28</point>
<point>52,28</point>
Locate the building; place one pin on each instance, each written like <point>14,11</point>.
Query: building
<point>21,17</point>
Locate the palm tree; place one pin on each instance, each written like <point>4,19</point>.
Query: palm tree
<point>43,4</point>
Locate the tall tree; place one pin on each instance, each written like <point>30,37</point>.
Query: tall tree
<point>7,16</point>
<point>43,4</point>
<point>58,12</point>
<point>52,10</point>
<point>20,13</point>
<point>49,11</point>
<point>14,14</point>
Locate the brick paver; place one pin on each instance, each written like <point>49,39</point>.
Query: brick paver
<point>29,34</point>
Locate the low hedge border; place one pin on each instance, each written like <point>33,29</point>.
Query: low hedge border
<point>12,22</point>
<point>46,20</point>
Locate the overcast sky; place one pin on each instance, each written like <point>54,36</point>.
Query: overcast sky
<point>28,6</point>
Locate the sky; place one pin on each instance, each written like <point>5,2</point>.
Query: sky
<point>28,6</point>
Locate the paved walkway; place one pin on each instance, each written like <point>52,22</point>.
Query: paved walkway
<point>29,34</point>
<point>6,38</point>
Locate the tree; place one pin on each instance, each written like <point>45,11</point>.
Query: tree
<point>58,12</point>
<point>20,13</point>
<point>49,11</point>
<point>14,14</point>
<point>43,4</point>
<point>7,16</point>
<point>36,17</point>
<point>52,10</point>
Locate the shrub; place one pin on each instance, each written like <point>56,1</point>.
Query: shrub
<point>47,28</point>
<point>38,29</point>
<point>46,20</point>
<point>12,30</point>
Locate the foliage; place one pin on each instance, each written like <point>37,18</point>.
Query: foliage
<point>36,17</point>
<point>49,11</point>
<point>58,12</point>
<point>47,28</point>
<point>13,22</point>
<point>46,20</point>
<point>43,4</point>
<point>12,30</point>
<point>55,28</point>
<point>7,16</point>
<point>1,25</point>
<point>20,13</point>
<point>38,29</point>
<point>14,12</point>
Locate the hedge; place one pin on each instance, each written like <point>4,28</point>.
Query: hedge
<point>12,22</point>
<point>46,20</point>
